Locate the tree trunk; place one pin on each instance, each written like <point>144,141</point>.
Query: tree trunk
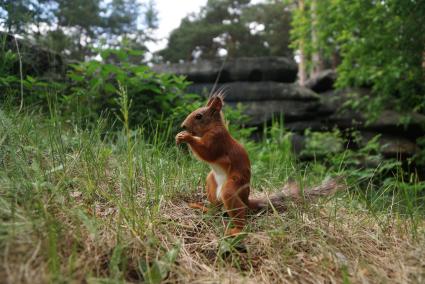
<point>317,60</point>
<point>302,72</point>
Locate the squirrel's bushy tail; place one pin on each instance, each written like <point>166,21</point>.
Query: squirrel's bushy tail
<point>292,191</point>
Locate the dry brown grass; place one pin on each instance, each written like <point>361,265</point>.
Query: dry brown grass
<point>308,243</point>
<point>319,244</point>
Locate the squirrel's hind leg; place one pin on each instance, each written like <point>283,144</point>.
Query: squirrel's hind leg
<point>211,187</point>
<point>196,205</point>
<point>234,197</point>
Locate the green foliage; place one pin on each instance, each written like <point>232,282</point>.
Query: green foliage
<point>18,14</point>
<point>74,27</point>
<point>34,90</point>
<point>151,15</point>
<point>381,44</point>
<point>386,181</point>
<point>153,97</point>
<point>159,269</point>
<point>274,159</point>
<point>321,144</point>
<point>420,157</point>
<point>236,27</point>
<point>8,61</point>
<point>90,90</point>
<point>276,17</point>
<point>236,122</point>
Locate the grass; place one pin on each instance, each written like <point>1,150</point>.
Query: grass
<point>91,205</point>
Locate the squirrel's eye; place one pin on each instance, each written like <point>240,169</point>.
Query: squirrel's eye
<point>198,116</point>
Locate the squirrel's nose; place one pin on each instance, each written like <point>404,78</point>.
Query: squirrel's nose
<point>183,126</point>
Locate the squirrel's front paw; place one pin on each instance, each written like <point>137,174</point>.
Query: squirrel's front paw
<point>181,137</point>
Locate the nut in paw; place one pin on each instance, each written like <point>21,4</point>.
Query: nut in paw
<point>181,137</point>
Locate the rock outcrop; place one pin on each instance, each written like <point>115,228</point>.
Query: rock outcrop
<point>267,89</point>
<point>278,69</point>
<point>257,91</point>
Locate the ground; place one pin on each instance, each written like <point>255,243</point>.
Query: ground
<point>80,206</point>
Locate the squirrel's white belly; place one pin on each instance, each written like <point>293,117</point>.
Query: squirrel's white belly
<point>220,175</point>
<point>220,178</point>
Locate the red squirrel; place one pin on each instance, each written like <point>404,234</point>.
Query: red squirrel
<point>228,182</point>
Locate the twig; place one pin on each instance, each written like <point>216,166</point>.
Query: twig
<point>21,75</point>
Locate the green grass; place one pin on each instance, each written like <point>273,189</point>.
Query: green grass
<point>91,204</point>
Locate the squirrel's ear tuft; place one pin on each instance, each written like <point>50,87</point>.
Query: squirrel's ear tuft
<point>216,103</point>
<point>210,100</point>
<point>220,94</point>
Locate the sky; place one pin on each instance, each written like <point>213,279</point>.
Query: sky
<point>170,13</point>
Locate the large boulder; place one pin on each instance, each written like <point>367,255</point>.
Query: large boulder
<point>388,121</point>
<point>291,110</point>
<point>313,124</point>
<point>391,145</point>
<point>256,91</point>
<point>322,81</point>
<point>279,69</point>
<point>263,101</point>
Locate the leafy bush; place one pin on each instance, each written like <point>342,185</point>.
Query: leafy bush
<point>321,144</point>
<point>152,96</point>
<point>16,85</point>
<point>9,82</point>
<point>91,88</point>
<point>380,44</point>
